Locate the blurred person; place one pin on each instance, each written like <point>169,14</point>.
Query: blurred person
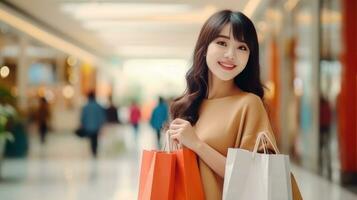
<point>223,104</point>
<point>113,122</point>
<point>112,113</point>
<point>43,115</point>
<point>324,136</point>
<point>135,116</point>
<point>92,120</point>
<point>159,117</point>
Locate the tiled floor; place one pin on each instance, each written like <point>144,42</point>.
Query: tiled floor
<point>64,170</point>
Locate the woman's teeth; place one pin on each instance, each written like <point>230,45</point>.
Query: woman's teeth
<point>226,66</point>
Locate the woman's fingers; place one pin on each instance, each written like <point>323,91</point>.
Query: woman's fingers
<point>179,121</point>
<point>176,126</point>
<point>175,136</point>
<point>173,132</point>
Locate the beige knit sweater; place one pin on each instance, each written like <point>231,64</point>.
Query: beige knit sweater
<point>227,122</point>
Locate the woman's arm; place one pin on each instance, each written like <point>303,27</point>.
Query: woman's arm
<point>182,131</point>
<point>215,160</point>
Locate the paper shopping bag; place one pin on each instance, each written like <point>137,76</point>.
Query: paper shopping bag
<point>157,175</point>
<point>295,188</point>
<point>188,184</point>
<point>256,176</point>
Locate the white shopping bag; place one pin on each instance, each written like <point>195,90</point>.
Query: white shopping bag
<point>256,176</point>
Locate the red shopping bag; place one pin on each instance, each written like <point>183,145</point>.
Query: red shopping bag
<point>157,175</point>
<point>188,184</point>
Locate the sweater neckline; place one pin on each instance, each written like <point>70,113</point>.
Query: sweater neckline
<point>223,98</point>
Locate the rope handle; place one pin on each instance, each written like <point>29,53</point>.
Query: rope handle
<point>263,137</point>
<point>169,145</point>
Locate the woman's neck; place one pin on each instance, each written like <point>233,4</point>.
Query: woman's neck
<point>218,88</point>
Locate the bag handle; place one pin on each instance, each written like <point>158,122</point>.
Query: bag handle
<point>169,146</point>
<point>263,137</point>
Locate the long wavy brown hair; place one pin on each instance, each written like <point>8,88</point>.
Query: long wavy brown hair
<point>187,105</point>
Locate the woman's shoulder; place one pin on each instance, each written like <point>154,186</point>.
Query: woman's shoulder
<point>251,98</point>
<point>248,99</point>
<point>248,103</point>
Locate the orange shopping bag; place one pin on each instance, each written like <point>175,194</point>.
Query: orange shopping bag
<point>157,175</point>
<point>188,184</point>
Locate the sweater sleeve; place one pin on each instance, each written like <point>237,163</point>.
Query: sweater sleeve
<point>253,120</point>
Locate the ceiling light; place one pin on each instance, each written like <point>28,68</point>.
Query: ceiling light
<point>107,10</point>
<point>46,37</point>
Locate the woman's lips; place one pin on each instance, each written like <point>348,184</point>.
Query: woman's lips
<point>226,66</point>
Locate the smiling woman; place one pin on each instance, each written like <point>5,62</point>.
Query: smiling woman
<point>228,54</point>
<point>222,106</point>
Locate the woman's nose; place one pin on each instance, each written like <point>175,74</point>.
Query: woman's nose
<point>229,53</point>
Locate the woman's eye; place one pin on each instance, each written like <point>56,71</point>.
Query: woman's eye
<point>243,48</point>
<point>222,43</point>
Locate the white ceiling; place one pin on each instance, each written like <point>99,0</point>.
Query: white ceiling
<point>136,28</point>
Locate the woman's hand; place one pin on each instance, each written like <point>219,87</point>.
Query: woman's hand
<point>182,132</point>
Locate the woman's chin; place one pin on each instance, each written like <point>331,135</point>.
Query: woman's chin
<point>225,78</point>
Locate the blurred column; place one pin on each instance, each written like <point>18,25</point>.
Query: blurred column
<point>315,61</point>
<point>1,57</point>
<point>288,126</point>
<point>22,73</point>
<point>275,78</point>
<point>61,81</point>
<point>275,17</point>
<point>2,44</point>
<point>347,100</point>
<point>78,97</point>
<point>60,68</point>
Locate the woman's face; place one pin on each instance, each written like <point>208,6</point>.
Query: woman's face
<point>226,57</point>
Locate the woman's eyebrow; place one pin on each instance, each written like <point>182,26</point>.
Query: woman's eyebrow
<point>227,37</point>
<point>224,36</point>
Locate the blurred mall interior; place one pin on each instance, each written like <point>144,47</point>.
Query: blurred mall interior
<point>138,50</point>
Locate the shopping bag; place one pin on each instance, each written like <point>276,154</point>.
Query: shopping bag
<point>157,175</point>
<point>256,176</point>
<point>188,184</point>
<point>81,132</point>
<point>295,188</point>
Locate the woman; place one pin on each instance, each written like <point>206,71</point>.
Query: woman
<point>43,118</point>
<point>222,106</point>
<point>135,116</point>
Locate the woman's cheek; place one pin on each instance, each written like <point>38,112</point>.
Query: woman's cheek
<point>242,59</point>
